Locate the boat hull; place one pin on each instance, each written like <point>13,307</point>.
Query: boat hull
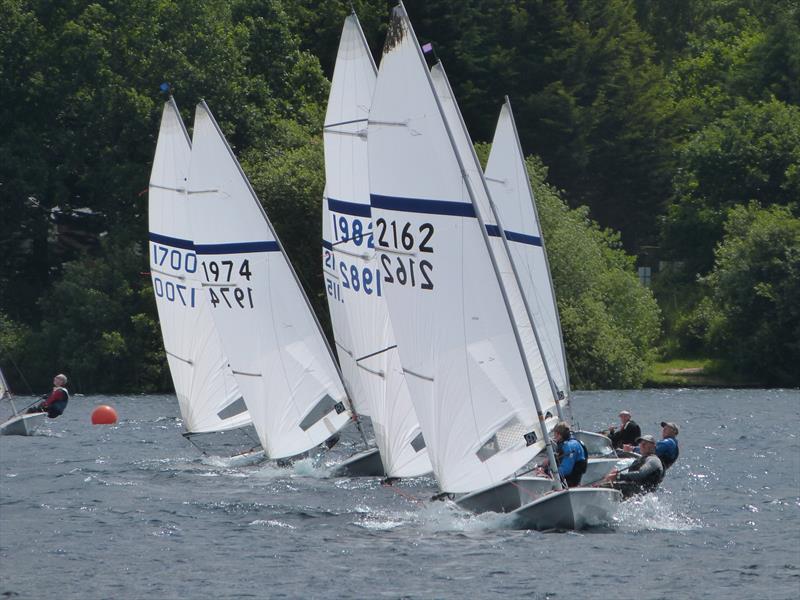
<point>506,496</point>
<point>24,424</point>
<point>363,464</point>
<point>572,509</point>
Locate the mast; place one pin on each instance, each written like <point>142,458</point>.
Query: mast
<point>548,445</point>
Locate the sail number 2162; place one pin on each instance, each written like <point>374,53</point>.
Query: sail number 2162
<point>405,238</point>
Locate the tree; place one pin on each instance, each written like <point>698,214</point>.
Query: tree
<point>751,153</point>
<point>754,316</point>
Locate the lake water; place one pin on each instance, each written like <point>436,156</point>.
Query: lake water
<point>134,511</point>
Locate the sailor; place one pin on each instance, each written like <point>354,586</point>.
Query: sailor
<point>56,402</point>
<point>628,432</point>
<point>667,447</point>
<point>643,475</point>
<point>572,456</point>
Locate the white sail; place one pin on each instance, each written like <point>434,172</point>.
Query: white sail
<point>274,344</point>
<point>341,329</point>
<point>4,389</point>
<point>483,202</point>
<point>362,327</point>
<point>208,396</point>
<point>454,333</point>
<point>509,186</point>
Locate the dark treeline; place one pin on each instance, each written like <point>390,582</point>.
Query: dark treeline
<point>674,123</point>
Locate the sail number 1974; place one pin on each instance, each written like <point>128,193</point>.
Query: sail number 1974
<point>219,273</point>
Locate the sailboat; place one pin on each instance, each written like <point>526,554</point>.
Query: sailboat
<point>20,423</point>
<point>362,328</point>
<point>208,396</point>
<point>474,384</point>
<point>509,186</point>
<point>274,344</point>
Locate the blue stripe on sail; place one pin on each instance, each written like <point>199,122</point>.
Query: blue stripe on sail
<point>326,244</point>
<point>422,205</point>
<point>237,248</point>
<point>165,240</point>
<point>513,236</point>
<point>349,208</point>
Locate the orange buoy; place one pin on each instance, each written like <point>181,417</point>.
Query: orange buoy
<point>104,415</point>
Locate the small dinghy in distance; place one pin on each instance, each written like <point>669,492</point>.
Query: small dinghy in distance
<point>478,390</point>
<point>19,424</point>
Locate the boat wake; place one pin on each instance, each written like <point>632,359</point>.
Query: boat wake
<point>653,512</point>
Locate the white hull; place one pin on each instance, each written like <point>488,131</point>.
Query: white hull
<point>24,424</point>
<point>576,508</point>
<point>597,468</point>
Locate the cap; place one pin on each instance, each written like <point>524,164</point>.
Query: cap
<point>670,425</point>
<point>646,438</point>
<point>625,412</point>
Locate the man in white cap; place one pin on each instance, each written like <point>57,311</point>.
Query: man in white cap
<point>628,432</point>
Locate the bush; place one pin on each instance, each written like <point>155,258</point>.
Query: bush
<point>754,290</point>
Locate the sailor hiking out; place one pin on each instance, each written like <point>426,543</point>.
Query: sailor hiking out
<point>56,402</point>
<point>644,475</point>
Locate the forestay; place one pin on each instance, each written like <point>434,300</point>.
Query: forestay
<point>509,185</point>
<point>454,333</point>
<point>272,339</point>
<point>362,327</point>
<point>500,249</point>
<point>208,396</point>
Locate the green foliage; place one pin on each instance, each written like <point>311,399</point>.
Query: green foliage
<point>751,153</point>
<point>753,315</point>
<point>97,328</point>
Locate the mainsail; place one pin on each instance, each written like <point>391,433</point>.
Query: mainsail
<point>500,246</point>
<point>507,178</point>
<point>208,396</point>
<point>457,343</point>
<point>363,330</point>
<point>270,335</point>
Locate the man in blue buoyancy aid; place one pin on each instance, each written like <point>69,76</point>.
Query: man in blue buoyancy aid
<point>572,456</point>
<point>667,447</point>
<point>56,402</point>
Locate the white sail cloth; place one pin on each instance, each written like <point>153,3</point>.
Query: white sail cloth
<point>275,346</point>
<point>208,397</point>
<point>363,330</point>
<point>501,251</point>
<point>455,336</point>
<point>507,178</point>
